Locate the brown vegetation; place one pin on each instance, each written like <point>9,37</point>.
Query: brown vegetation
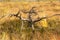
<point>46,29</point>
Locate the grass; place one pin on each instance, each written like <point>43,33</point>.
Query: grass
<point>12,29</point>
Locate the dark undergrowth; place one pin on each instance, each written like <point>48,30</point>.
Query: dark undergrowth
<point>12,31</point>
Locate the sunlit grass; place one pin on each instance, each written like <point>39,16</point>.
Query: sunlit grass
<point>13,27</point>
<point>44,30</point>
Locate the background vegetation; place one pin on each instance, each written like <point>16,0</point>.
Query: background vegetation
<point>26,0</point>
<point>46,29</point>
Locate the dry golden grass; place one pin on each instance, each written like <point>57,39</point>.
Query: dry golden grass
<point>46,8</point>
<point>46,29</point>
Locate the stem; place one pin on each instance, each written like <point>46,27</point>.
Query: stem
<point>22,25</point>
